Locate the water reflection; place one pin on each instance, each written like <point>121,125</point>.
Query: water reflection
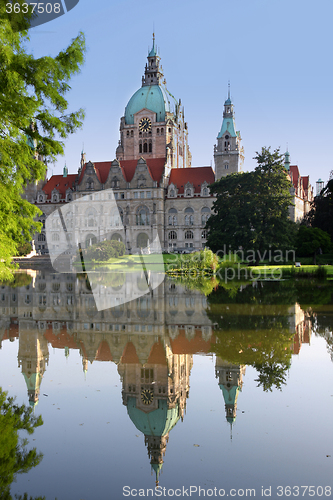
<point>153,338</point>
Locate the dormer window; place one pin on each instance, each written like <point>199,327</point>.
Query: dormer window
<point>115,182</point>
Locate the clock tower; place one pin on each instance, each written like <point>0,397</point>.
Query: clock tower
<point>153,125</point>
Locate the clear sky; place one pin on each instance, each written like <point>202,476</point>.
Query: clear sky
<point>277,55</point>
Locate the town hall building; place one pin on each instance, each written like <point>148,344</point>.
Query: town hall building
<point>157,190</point>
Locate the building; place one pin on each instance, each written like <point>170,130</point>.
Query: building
<point>157,189</point>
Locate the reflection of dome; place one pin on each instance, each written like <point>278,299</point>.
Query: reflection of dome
<point>155,423</point>
<point>153,97</point>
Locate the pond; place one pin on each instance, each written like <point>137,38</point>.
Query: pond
<point>174,393</point>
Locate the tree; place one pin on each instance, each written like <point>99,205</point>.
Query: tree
<point>34,121</point>
<point>251,209</point>
<point>321,213</point>
<point>310,240</point>
<point>14,456</point>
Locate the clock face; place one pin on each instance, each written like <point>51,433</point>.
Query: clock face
<point>144,125</point>
<point>147,396</point>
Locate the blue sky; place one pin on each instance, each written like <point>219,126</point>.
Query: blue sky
<point>277,55</point>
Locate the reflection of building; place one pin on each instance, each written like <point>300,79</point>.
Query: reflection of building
<point>155,394</point>
<point>301,325</point>
<point>230,379</point>
<point>33,356</point>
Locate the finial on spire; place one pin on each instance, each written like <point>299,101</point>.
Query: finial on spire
<point>228,89</point>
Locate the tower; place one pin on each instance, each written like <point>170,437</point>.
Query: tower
<point>153,125</point>
<point>228,153</point>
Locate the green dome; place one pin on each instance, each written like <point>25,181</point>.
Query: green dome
<point>155,423</point>
<point>155,98</point>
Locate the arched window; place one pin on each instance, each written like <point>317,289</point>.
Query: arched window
<point>115,182</point>
<point>140,147</point>
<point>41,237</point>
<point>172,217</point>
<point>188,192</point>
<point>189,216</point>
<point>116,217</point>
<point>172,235</point>
<point>132,133</point>
<point>142,216</point>
<point>145,147</point>
<point>157,131</point>
<point>150,147</point>
<point>172,193</point>
<point>204,234</point>
<point>188,235</point>
<point>116,237</point>
<point>205,214</point>
<point>162,131</point>
<point>91,217</point>
<point>55,237</point>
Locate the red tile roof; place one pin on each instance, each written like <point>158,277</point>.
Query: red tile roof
<point>155,168</point>
<point>194,175</point>
<point>103,352</point>
<point>157,355</point>
<point>130,355</point>
<point>294,175</point>
<point>59,182</point>
<point>182,345</point>
<point>102,168</point>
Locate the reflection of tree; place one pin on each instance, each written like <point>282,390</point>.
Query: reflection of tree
<point>254,334</point>
<point>14,456</point>
<point>271,375</point>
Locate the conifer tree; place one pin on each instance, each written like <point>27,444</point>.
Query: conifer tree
<point>34,121</point>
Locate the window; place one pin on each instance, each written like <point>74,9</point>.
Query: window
<point>145,147</point>
<point>140,146</point>
<point>148,194</point>
<point>204,234</point>
<point>189,216</point>
<point>226,166</point>
<point>172,235</point>
<point>115,182</point>
<point>141,181</point>
<point>136,195</point>
<point>91,218</point>
<point>150,147</point>
<point>157,131</point>
<point>90,184</point>
<point>172,218</point>
<point>41,237</point>
<point>142,194</point>
<point>188,235</point>
<point>142,216</point>
<point>205,214</point>
<point>55,237</point>
<point>188,192</point>
<point>172,193</point>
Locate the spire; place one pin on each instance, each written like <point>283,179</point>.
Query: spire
<point>65,171</point>
<point>229,90</point>
<point>153,72</point>
<point>287,160</point>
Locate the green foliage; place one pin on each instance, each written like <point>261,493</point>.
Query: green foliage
<point>105,250</point>
<point>251,209</point>
<point>197,263</point>
<point>309,240</point>
<point>17,279</point>
<point>14,456</point>
<point>321,213</point>
<point>34,121</point>
<point>24,249</point>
